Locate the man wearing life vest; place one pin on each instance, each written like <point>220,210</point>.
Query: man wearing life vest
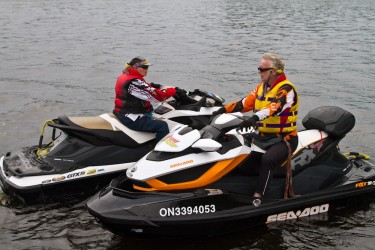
<point>275,105</point>
<point>134,96</point>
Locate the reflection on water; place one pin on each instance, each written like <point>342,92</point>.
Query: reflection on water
<point>340,230</point>
<point>63,58</point>
<point>63,226</point>
<point>51,227</point>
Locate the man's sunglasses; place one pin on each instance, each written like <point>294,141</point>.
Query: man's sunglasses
<point>264,69</point>
<point>144,66</point>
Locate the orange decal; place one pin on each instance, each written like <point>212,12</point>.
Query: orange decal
<point>361,184</point>
<point>91,171</point>
<point>216,171</point>
<point>59,178</point>
<point>181,163</point>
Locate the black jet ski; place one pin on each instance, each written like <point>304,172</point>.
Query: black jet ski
<point>85,153</point>
<point>200,182</point>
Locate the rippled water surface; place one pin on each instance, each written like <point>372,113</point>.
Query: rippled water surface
<point>63,57</point>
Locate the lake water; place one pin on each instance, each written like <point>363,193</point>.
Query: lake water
<point>63,57</point>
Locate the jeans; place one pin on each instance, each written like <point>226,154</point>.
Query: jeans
<point>145,124</point>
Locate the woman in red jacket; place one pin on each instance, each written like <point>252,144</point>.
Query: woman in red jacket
<point>134,96</point>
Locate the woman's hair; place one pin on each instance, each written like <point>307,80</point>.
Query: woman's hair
<point>127,67</point>
<point>136,61</point>
<point>276,61</point>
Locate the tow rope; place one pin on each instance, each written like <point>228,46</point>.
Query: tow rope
<point>356,156</point>
<point>43,151</point>
<point>288,180</point>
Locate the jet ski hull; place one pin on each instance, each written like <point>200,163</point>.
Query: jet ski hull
<point>57,178</point>
<point>56,192</point>
<point>207,211</point>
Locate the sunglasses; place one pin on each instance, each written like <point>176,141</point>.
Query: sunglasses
<point>144,66</point>
<point>264,69</point>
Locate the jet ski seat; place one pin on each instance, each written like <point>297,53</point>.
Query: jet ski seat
<point>102,130</point>
<point>93,122</point>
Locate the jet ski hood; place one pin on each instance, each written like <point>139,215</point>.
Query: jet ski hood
<point>184,148</point>
<point>182,137</point>
<point>178,139</point>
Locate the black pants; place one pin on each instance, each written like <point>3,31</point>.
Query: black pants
<point>272,159</point>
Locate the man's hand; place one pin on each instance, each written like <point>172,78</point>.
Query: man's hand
<point>247,124</point>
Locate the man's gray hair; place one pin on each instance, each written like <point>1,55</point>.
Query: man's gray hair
<point>275,59</point>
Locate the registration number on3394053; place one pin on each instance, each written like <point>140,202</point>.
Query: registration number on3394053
<point>189,210</point>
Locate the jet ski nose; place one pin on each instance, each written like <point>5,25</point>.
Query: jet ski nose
<point>130,171</point>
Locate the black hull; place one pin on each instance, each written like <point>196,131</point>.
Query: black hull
<point>206,203</point>
<point>145,215</point>
<point>25,164</point>
<point>60,191</point>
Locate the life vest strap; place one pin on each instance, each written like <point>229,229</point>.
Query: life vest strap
<point>263,98</point>
<point>293,113</point>
<point>284,125</point>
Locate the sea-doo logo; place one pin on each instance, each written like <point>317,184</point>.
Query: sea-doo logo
<point>181,163</point>
<point>171,141</point>
<point>364,184</point>
<point>298,214</point>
